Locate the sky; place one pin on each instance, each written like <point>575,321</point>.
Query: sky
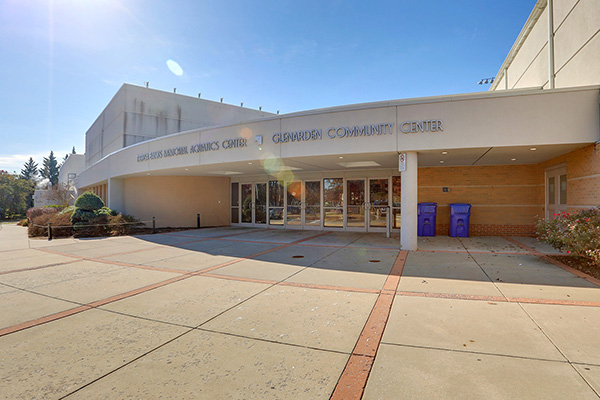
<point>61,61</point>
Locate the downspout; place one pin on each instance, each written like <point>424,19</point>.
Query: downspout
<point>551,43</point>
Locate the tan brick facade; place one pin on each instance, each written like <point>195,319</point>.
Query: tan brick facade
<point>505,199</point>
<point>508,200</point>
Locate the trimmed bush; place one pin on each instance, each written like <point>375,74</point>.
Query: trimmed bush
<point>577,233</point>
<point>81,216</point>
<point>89,201</point>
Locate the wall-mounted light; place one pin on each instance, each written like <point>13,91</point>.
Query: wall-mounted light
<point>533,149</point>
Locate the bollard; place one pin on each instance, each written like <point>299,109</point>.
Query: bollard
<point>198,220</point>
<point>49,231</point>
<point>153,224</point>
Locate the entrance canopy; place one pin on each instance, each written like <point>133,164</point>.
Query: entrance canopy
<point>500,128</point>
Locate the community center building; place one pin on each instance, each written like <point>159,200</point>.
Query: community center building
<point>526,149</point>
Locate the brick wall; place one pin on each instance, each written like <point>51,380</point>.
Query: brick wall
<point>583,177</point>
<point>505,200</point>
<point>508,199</point>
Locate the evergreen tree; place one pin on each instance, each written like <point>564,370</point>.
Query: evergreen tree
<point>29,173</point>
<point>50,169</point>
<point>30,170</point>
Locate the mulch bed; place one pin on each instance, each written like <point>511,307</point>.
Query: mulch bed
<point>580,263</point>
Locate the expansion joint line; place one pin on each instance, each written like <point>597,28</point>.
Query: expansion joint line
<point>576,272</point>
<point>98,303</point>
<point>353,379</point>
<point>545,257</point>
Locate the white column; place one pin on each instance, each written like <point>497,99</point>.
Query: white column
<point>408,199</point>
<point>116,198</point>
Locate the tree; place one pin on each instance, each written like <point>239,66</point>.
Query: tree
<point>13,194</point>
<point>62,195</point>
<point>30,170</point>
<point>50,169</point>
<point>29,173</point>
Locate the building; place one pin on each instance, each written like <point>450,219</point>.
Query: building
<point>526,149</point>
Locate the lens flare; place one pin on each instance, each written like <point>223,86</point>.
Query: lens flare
<point>246,133</point>
<point>174,67</point>
<point>274,167</point>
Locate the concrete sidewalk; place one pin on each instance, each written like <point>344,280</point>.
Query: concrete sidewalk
<point>232,313</point>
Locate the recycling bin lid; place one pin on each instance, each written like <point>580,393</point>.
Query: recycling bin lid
<point>460,208</point>
<point>426,208</point>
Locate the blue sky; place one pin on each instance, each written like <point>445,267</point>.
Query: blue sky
<point>63,60</point>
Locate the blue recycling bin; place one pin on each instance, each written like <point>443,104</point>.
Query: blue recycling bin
<point>459,219</point>
<point>426,219</point>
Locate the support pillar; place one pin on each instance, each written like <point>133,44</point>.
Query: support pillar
<point>116,198</point>
<point>408,199</point>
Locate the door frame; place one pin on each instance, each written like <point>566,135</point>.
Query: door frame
<point>556,172</point>
<point>369,203</point>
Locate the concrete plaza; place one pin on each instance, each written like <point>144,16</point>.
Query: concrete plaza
<point>232,313</point>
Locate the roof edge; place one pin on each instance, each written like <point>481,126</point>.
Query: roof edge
<point>523,35</point>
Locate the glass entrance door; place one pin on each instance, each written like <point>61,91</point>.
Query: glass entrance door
<point>378,204</point>
<point>356,204</point>
<point>260,203</point>
<point>333,202</point>
<point>254,204</point>
<point>247,205</point>
<point>294,205</point>
<point>303,205</point>
<point>276,203</point>
<point>311,212</point>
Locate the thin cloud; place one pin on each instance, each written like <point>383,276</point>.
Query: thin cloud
<point>14,162</point>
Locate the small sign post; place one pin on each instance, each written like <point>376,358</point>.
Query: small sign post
<point>401,162</point>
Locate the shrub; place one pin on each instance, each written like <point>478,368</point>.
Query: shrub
<point>89,201</point>
<point>95,225</point>
<point>577,233</point>
<point>106,211</point>
<point>34,212</point>
<point>61,225</point>
<point>82,217</point>
<point>23,222</point>
<point>123,224</point>
<point>68,210</point>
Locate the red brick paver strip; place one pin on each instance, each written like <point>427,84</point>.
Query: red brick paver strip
<point>353,380</point>
<point>98,303</point>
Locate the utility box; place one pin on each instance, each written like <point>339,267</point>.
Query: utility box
<point>459,219</point>
<point>426,219</point>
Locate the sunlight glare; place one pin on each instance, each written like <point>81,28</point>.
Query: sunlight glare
<point>174,67</point>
